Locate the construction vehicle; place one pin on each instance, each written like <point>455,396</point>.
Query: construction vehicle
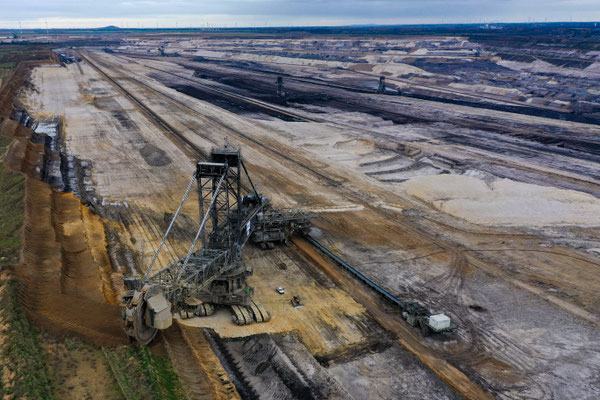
<point>296,302</point>
<point>381,88</point>
<point>419,316</point>
<point>215,274</point>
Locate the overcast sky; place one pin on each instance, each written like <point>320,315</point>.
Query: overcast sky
<point>190,13</point>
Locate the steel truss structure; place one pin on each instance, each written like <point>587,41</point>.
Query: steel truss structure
<point>215,273</point>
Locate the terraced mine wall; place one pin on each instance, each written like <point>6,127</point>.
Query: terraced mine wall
<point>67,280</point>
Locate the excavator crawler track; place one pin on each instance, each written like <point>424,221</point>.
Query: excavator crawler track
<point>260,313</point>
<point>241,316</point>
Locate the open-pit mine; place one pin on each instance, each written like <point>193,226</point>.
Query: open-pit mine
<point>361,213</point>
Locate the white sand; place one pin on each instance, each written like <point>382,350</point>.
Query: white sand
<point>273,59</point>
<point>540,66</point>
<point>396,70</point>
<point>504,202</point>
<point>487,89</point>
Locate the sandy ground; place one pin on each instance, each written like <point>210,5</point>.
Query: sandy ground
<point>332,146</point>
<point>80,371</point>
<point>97,120</point>
<point>317,320</point>
<point>505,202</point>
<point>330,318</point>
<point>373,170</point>
<point>385,368</point>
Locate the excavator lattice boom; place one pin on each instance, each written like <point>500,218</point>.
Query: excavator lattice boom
<point>213,274</point>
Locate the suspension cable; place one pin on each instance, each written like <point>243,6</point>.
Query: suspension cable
<point>164,239</point>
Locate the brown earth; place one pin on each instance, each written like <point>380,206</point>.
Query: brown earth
<point>69,288</point>
<point>481,275</point>
<point>66,285</point>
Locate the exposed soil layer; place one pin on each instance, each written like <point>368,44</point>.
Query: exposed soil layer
<point>351,162</point>
<point>10,87</point>
<point>446,371</point>
<point>65,270</point>
<point>349,169</point>
<point>415,92</point>
<point>200,370</point>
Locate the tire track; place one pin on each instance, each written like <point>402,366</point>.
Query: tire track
<point>173,131</point>
<point>449,374</point>
<point>187,366</point>
<point>457,265</point>
<point>203,376</point>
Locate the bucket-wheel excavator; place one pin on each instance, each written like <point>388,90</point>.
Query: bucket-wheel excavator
<point>215,273</point>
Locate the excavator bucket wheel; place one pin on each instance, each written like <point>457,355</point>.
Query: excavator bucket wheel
<point>142,332</point>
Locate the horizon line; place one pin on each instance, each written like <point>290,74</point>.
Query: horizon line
<point>366,25</point>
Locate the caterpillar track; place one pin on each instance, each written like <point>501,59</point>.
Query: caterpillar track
<point>246,315</point>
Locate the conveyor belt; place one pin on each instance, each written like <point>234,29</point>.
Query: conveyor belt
<point>355,272</point>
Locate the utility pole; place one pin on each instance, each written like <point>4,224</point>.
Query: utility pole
<point>280,90</point>
<point>381,88</point>
<point>21,28</point>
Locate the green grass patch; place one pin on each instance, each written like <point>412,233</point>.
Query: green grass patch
<point>78,370</point>
<point>21,352</point>
<point>162,376</point>
<point>142,375</point>
<point>127,370</point>
<point>10,56</point>
<point>11,210</point>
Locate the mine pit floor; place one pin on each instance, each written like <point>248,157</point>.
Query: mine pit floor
<point>140,166</point>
